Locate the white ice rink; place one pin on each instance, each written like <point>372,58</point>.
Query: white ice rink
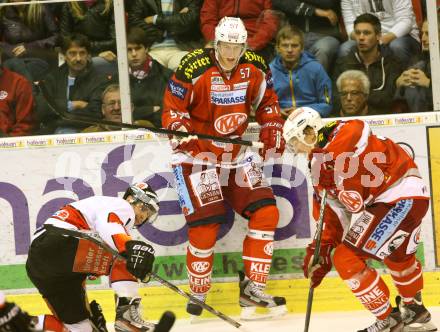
<point>351,321</point>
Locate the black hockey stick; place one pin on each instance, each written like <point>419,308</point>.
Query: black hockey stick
<point>315,259</point>
<point>91,121</point>
<point>93,237</point>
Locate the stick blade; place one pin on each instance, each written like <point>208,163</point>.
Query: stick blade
<point>166,322</point>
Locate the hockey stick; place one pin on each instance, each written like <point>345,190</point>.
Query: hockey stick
<point>315,259</point>
<point>90,121</point>
<point>93,237</point>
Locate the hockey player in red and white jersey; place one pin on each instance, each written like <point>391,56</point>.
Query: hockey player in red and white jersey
<point>375,181</point>
<point>59,265</point>
<point>213,92</point>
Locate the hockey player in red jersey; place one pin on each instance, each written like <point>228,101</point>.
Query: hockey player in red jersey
<point>375,181</point>
<point>58,265</point>
<point>213,92</point>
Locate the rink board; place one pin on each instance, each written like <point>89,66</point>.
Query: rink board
<point>40,174</point>
<point>331,295</point>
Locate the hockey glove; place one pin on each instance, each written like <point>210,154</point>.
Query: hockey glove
<point>324,265</point>
<point>140,258</point>
<point>13,319</point>
<point>271,135</point>
<point>188,143</point>
<point>326,171</point>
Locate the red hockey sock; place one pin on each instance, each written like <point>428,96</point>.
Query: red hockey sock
<point>372,291</point>
<point>365,283</point>
<point>258,244</point>
<point>200,257</point>
<point>407,276</point>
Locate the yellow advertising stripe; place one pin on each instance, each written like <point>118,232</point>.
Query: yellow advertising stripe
<point>434,161</point>
<point>332,295</point>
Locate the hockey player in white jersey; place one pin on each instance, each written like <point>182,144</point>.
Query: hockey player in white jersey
<point>58,265</point>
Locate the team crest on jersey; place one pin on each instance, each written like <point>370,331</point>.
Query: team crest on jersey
<point>268,249</point>
<point>229,123</point>
<point>352,200</point>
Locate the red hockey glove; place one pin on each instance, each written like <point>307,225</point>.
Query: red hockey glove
<point>317,272</point>
<point>140,258</point>
<point>326,170</point>
<point>271,135</point>
<point>188,143</point>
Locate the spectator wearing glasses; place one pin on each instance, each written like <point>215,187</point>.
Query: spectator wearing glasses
<point>353,89</point>
<point>298,78</point>
<point>111,111</point>
<point>381,67</point>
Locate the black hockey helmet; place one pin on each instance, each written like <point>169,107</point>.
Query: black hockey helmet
<point>142,192</point>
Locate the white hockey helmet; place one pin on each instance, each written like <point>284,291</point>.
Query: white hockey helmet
<point>142,192</point>
<point>297,121</point>
<point>230,30</point>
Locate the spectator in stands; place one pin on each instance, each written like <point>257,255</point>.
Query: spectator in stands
<point>381,67</point>
<point>94,19</point>
<point>75,87</point>
<point>298,78</point>
<point>258,17</point>
<point>414,84</point>
<point>111,111</point>
<point>399,27</point>
<point>28,36</point>
<point>353,89</point>
<point>171,27</point>
<point>320,23</point>
<point>148,79</point>
<point>16,104</point>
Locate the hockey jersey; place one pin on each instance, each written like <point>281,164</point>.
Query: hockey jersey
<point>368,169</point>
<point>218,105</point>
<point>111,218</point>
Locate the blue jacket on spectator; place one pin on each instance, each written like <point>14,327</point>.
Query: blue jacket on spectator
<point>306,85</point>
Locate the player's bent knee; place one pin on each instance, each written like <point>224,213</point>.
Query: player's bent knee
<point>83,326</point>
<point>346,262</point>
<point>265,218</point>
<point>203,236</point>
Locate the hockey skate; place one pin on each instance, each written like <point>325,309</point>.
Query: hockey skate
<point>252,296</point>
<point>393,323</point>
<point>415,316</point>
<point>129,318</point>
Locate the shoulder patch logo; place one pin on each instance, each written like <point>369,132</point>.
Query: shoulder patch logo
<point>177,89</point>
<point>352,200</point>
<point>228,123</point>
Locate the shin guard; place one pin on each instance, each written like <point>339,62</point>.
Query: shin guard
<point>199,267</point>
<point>407,277</point>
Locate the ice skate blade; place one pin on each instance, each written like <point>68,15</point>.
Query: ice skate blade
<point>420,327</point>
<point>250,314</point>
